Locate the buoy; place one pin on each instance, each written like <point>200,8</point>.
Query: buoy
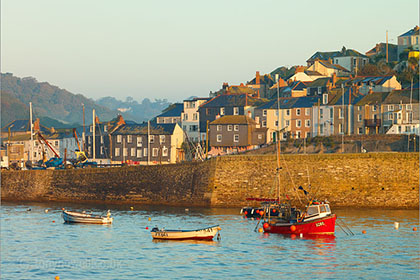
<point>46,210</point>
<point>414,229</point>
<point>293,236</point>
<point>266,225</point>
<point>62,209</point>
<point>147,227</point>
<point>150,219</point>
<point>29,209</point>
<point>53,221</point>
<point>274,210</point>
<point>57,278</point>
<point>261,212</point>
<point>186,209</point>
<point>292,228</point>
<point>246,213</point>
<point>364,231</point>
<point>131,208</point>
<point>260,230</point>
<point>396,225</point>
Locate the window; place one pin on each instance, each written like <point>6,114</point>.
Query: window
<point>145,152</point>
<point>91,128</point>
<point>407,128</point>
<point>276,124</point>
<point>222,111</point>
<point>307,123</point>
<point>139,153</point>
<point>359,108</point>
<point>324,98</point>
<point>155,152</point>
<point>56,143</point>
<point>321,113</point>
<point>391,116</point>
<point>374,107</point>
<point>133,152</point>
<point>297,112</point>
<point>321,128</point>
<point>117,152</point>
<point>297,134</point>
<point>194,116</point>
<point>184,127</point>
<point>161,139</point>
<point>340,113</point>
<point>287,122</point>
<point>102,139</point>
<point>125,152</point>
<point>308,111</point>
<point>360,130</point>
<point>90,139</point>
<point>340,128</point>
<point>219,128</point>
<point>229,127</point>
<point>410,117</point>
<point>119,138</point>
<point>236,127</point>
<point>307,134</point>
<point>236,138</point>
<point>408,107</point>
<point>151,138</point>
<point>336,61</point>
<point>399,116</point>
<point>399,129</point>
<point>219,138</point>
<point>264,113</point>
<point>185,117</point>
<point>102,150</point>
<point>400,106</point>
<point>287,112</point>
<point>319,90</point>
<point>359,117</point>
<point>164,151</point>
<point>390,107</point>
<point>139,141</point>
<point>236,110</point>
<point>298,123</point>
<point>260,136</point>
<point>174,120</point>
<point>264,123</point>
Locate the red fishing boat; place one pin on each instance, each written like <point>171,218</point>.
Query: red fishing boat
<point>317,219</point>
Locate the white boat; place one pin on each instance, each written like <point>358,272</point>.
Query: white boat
<point>197,234</point>
<point>76,217</point>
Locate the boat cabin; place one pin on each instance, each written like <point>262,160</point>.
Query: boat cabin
<point>316,211</point>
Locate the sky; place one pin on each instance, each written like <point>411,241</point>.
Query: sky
<point>176,49</point>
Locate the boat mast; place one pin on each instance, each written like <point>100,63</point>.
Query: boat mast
<point>278,139</point>
<point>32,137</point>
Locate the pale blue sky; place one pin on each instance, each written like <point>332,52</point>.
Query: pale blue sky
<point>176,49</point>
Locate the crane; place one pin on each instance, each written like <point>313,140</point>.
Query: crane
<point>82,160</point>
<point>56,161</point>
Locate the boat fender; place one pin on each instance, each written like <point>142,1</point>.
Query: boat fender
<point>252,212</point>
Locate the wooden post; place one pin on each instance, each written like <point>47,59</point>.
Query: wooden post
<point>207,139</point>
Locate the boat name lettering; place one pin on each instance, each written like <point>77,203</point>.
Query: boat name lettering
<point>320,224</point>
<point>161,233</point>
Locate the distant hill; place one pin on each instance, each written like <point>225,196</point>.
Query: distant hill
<point>56,104</point>
<point>139,111</point>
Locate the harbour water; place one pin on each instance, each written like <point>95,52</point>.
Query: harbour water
<point>37,245</point>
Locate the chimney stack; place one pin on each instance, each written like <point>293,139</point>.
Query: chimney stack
<point>334,79</point>
<point>257,78</point>
<point>36,125</point>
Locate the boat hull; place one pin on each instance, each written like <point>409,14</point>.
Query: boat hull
<point>200,234</point>
<point>75,217</point>
<point>321,226</point>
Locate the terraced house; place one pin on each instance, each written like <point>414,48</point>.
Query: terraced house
<point>190,119</point>
<point>231,134</point>
<point>144,144</point>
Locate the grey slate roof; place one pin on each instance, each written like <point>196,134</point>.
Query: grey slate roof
<point>174,110</point>
<point>141,129</point>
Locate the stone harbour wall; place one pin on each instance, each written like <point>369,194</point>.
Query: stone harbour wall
<point>361,180</point>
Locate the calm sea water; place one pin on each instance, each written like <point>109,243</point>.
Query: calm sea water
<point>38,245</point>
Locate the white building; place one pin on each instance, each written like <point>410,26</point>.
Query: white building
<point>190,118</point>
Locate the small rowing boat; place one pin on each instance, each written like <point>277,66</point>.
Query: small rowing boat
<point>198,234</point>
<point>76,217</point>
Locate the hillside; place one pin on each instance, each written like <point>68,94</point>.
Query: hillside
<point>48,101</point>
<point>139,111</point>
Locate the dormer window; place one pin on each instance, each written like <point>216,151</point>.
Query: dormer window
<point>222,111</point>
<point>105,128</point>
<point>325,98</point>
<point>235,110</point>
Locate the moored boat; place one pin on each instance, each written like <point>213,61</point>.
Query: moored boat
<point>76,217</point>
<point>198,234</point>
<point>316,220</point>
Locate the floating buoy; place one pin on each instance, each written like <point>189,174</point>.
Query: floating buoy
<point>147,227</point>
<point>186,209</point>
<point>62,209</point>
<point>246,213</point>
<point>258,211</point>
<point>292,228</point>
<point>131,208</point>
<point>57,278</point>
<point>46,210</point>
<point>364,231</point>
<point>260,230</point>
<point>150,219</point>
<point>396,225</point>
<point>53,221</point>
<point>274,210</point>
<point>266,225</point>
<point>414,229</point>
<point>293,236</point>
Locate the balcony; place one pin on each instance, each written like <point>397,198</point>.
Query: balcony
<point>372,122</point>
